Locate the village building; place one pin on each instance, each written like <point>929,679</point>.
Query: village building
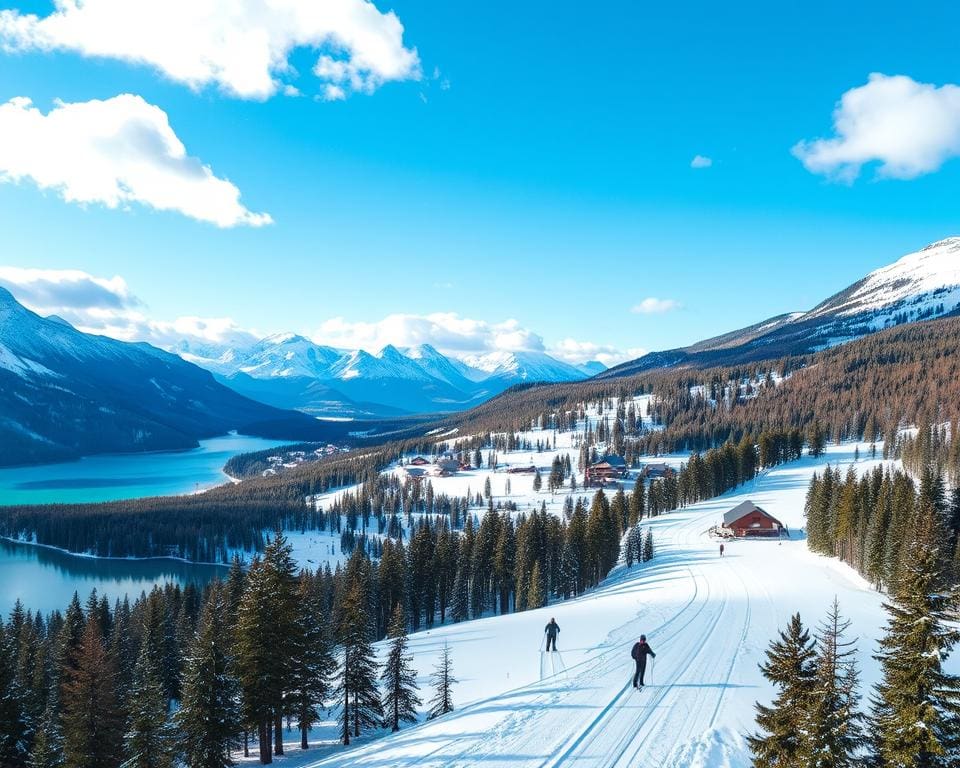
<point>416,474</point>
<point>747,519</point>
<point>656,470</point>
<point>531,470</point>
<point>419,461</point>
<point>611,469</point>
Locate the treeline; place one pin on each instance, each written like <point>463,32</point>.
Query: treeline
<point>870,521</point>
<point>817,718</point>
<point>188,675</point>
<point>864,389</point>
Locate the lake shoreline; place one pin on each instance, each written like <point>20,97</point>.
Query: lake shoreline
<point>109,558</point>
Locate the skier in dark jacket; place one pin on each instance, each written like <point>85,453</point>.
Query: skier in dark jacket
<point>639,653</point>
<point>552,630</point>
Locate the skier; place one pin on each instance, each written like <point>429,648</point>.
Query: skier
<point>552,630</point>
<point>721,550</point>
<point>639,654</point>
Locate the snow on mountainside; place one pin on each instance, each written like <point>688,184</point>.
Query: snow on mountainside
<point>919,286</point>
<point>524,366</point>
<point>64,393</point>
<point>290,371</point>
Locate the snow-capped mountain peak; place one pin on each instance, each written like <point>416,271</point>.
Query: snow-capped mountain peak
<point>920,283</point>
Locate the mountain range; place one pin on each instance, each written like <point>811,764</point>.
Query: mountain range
<point>290,371</point>
<point>920,286</point>
<point>65,394</point>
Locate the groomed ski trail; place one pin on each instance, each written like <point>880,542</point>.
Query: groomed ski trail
<point>707,618</point>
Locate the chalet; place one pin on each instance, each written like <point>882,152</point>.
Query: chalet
<point>413,473</point>
<point>419,461</point>
<point>747,519</point>
<point>531,470</point>
<point>450,466</point>
<point>656,470</point>
<point>610,469</point>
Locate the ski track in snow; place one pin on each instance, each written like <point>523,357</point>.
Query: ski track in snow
<point>709,619</point>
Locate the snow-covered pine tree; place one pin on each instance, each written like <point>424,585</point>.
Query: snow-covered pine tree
<point>400,700</point>
<point>535,591</point>
<point>357,687</point>
<point>443,682</point>
<point>648,550</point>
<point>312,664</point>
<point>789,666</point>
<point>13,725</point>
<point>916,708</point>
<point>47,749</point>
<point>835,724</point>
<point>209,715</point>
<point>149,740</point>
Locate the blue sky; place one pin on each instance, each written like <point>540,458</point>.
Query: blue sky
<point>536,167</point>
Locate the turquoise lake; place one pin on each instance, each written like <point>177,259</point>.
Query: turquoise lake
<point>126,476</point>
<point>45,579</point>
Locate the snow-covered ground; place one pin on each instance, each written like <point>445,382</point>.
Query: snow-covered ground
<point>709,620</point>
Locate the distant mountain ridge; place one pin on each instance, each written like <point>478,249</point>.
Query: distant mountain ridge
<point>919,286</point>
<point>290,371</point>
<point>65,394</point>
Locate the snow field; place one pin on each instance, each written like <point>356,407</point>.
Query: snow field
<point>708,619</point>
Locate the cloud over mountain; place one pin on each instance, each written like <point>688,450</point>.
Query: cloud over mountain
<point>115,152</point>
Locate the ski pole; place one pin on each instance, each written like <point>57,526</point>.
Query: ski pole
<point>653,664</point>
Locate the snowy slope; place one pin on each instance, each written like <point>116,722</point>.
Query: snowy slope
<point>708,619</point>
<point>918,286</point>
<point>917,283</point>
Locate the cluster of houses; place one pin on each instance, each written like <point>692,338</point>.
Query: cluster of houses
<point>443,466</point>
<point>613,468</point>
<point>292,459</point>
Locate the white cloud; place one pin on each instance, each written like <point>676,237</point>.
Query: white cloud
<point>107,307</point>
<point>655,306</point>
<point>447,331</point>
<point>701,161</point>
<point>58,291</point>
<point>910,128</point>
<point>579,352</point>
<point>114,152</point>
<point>241,46</point>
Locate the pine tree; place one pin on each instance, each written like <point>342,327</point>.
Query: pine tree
<point>13,725</point>
<point>312,664</point>
<point>835,731</point>
<point>916,710</point>
<point>537,481</point>
<point>400,700</point>
<point>648,551</point>
<point>443,682</point>
<point>48,745</point>
<point>255,658</point>
<point>535,591</point>
<point>149,741</point>
<point>789,666</point>
<point>357,686</point>
<point>92,723</point>
<point>209,716</point>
